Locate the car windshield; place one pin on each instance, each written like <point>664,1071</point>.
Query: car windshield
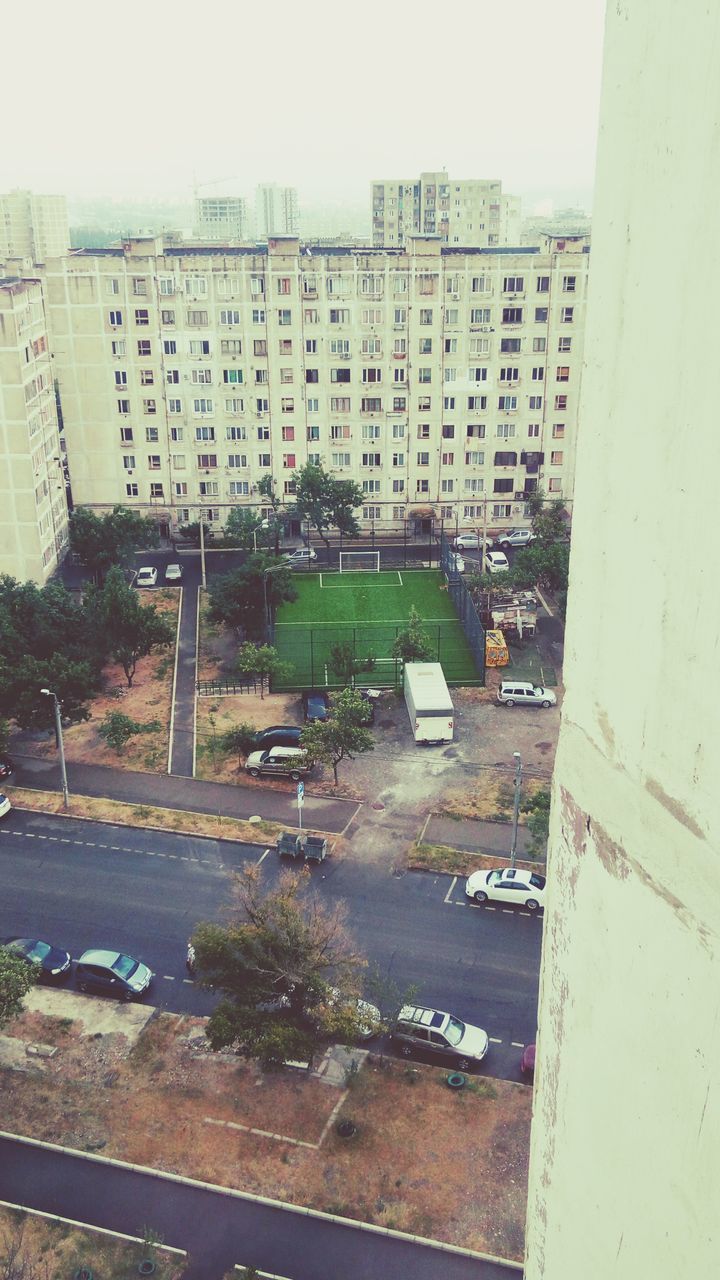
<point>124,966</point>
<point>537,882</point>
<point>36,951</point>
<point>494,877</point>
<point>454,1031</point>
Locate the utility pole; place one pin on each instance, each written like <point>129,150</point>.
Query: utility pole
<point>61,746</point>
<point>516,806</point>
<point>202,549</point>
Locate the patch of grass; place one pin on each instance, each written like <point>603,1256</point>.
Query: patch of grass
<point>436,857</point>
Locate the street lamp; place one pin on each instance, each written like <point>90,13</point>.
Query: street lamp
<point>273,569</point>
<point>61,748</point>
<point>264,524</point>
<point>516,806</point>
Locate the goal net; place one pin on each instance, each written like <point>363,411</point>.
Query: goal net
<point>359,561</point>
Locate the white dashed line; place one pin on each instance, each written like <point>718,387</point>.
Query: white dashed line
<point>89,843</point>
<point>515,1044</point>
<point>115,848</point>
<point>39,837</point>
<point>53,838</point>
<point>263,857</point>
<point>30,835</point>
<point>493,1040</point>
<point>64,841</point>
<point>188,982</point>
<point>168,977</point>
<point>449,893</point>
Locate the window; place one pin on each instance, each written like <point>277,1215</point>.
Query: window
<point>505,459</point>
<point>564,344</point>
<point>263,459</point>
<point>234,405</point>
<point>505,430</point>
<point>568,284</point>
<point>147,377</point>
<point>174,406</point>
<point>206,460</point>
<point>370,347</point>
<point>539,344</point>
<point>311,348</point>
<point>451,315</point>
<point>555,484</point>
<point>339,315</point>
<point>448,459</point>
<point>450,346</point>
<point>203,406</point>
<point>340,459</point>
<point>232,376</point>
<point>507,403</point>
<point>200,347</point>
<point>538,373</point>
<point>424,375</point>
<point>209,489</point>
<point>167,285</point>
<point>480,402</point>
<point>129,462</point>
<point>561,402</point>
<point>556,457</point>
<point>371,459</point>
<point>311,315</point>
<point>313,405</point>
<point>422,486</point>
<point>372,513</point>
<point>284,317</point>
<point>534,430</point>
<point>372,315</point>
<point>144,347</point>
<point>480,284</point>
<point>119,347</point>
<point>447,486</point>
<point>131,490</point>
<point>503,486</point>
<point>288,433</point>
<point>339,404</point>
<point>475,485</point>
<point>423,431</point>
<point>340,347</point>
<point>201,376</point>
<point>120,378</point>
<point>204,433</point>
<point>236,433</point>
<point>238,488</point>
<point>513,284</point>
<point>261,377</point>
<point>426,315</point>
<point>113,286</point>
<point>566,315</point>
<point>126,435</point>
<point>196,285</point>
<point>448,432</point>
<point>475,458</point>
<point>197,319</point>
<point>167,317</point>
<point>258,316</point>
<point>370,404</point>
<point>512,315</point>
<point>149,406</point>
<point>115,318</point>
<point>399,314</point>
<point>541,315</point>
<point>543,284</point>
<point>170,347</point>
<point>480,315</point>
<point>535,402</point>
<point>314,459</point>
<point>374,374</point>
<point>398,459</point>
<point>141,316</point>
<point>398,431</point>
<point>154,461</point>
<point>229,317</point>
<point>501,511</point>
<point>370,431</point>
<point>425,346</point>
<point>340,431</point>
<point>156,491</point>
<point>123,406</point>
<point>339,375</point>
<point>289,461</point>
<point>558,430</point>
<point>313,432</point>
<point>180,488</point>
<point>257,285</point>
<point>509,373</point>
<point>283,284</point>
<point>179,462</point>
<point>509,346</point>
<point>398,486</point>
<point>152,435</point>
<point>563,373</point>
<point>263,433</point>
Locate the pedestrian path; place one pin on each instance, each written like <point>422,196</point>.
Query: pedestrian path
<point>474,835</point>
<point>182,725</point>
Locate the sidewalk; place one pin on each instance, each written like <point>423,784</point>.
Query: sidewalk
<point>239,800</point>
<point>182,748</point>
<point>474,835</point>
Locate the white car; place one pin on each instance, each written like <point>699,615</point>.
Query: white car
<point>303,555</point>
<point>511,885</point>
<point>469,542</point>
<point>496,562</point>
<point>146,577</point>
<point>174,573</point>
<point>5,805</point>
<point>523,693</point>
<point>514,538</point>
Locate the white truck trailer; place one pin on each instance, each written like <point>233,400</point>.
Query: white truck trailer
<point>428,701</point>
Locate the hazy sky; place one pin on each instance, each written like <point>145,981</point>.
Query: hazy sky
<point>136,98</point>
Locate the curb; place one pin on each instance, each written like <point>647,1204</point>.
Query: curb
<point>233,1193</point>
<point>87,1226</point>
<point>174,683</point>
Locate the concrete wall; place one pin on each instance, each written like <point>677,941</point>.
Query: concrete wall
<point>626,1141</point>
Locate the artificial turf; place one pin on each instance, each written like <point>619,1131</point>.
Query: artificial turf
<point>367,610</point>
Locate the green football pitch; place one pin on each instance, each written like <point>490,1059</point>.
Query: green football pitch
<point>367,610</point>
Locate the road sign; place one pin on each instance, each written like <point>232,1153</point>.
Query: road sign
<point>301,792</point>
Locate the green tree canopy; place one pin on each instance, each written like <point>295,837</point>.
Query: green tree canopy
<point>286,969</point>
<point>345,665</point>
<point>325,502</point>
<point>412,644</point>
<point>244,528</point>
<point>132,630</point>
<point>16,979</point>
<point>263,662</point>
<point>343,735</point>
<point>237,599</point>
<point>538,808</point>
<point>111,539</point>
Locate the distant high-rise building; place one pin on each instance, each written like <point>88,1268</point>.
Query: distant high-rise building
<point>276,211</point>
<point>33,503</point>
<point>32,226</point>
<point>470,213</point>
<point>221,218</point>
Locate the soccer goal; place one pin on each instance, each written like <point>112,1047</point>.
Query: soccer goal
<point>359,561</point>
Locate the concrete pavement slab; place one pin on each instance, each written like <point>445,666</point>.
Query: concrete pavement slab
<point>474,835</point>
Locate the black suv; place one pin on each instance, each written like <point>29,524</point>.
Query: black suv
<point>278,735</point>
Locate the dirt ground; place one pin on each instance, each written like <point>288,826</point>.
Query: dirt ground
<point>460,1179</point>
<point>149,699</point>
<point>54,1249</point>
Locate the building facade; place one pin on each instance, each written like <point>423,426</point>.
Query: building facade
<point>223,219</point>
<point>33,505</point>
<point>625,1144</point>
<point>467,213</point>
<point>276,211</point>
<point>444,383</point>
<point>33,226</point>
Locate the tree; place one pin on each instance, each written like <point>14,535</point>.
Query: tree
<point>4,734</point>
<point>545,564</point>
<point>286,970</point>
<point>244,529</point>
<point>538,807</point>
<point>73,682</point>
<point>263,662</point>
<point>112,539</point>
<point>133,630</point>
<point>343,735</point>
<point>237,599</point>
<point>412,644</point>
<point>191,533</point>
<point>240,739</point>
<point>117,729</point>
<point>326,503</point>
<point>268,490</point>
<point>344,663</point>
<point>549,518</point>
<point>16,979</point>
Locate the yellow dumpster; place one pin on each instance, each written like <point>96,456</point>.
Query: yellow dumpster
<point>496,650</point>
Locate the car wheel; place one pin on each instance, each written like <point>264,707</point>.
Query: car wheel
<point>480,895</point>
<point>406,1051</point>
<point>127,996</point>
<point>532,905</point>
<point>509,702</point>
<point>254,773</point>
<point>82,986</point>
<point>464,1064</point>
<point>545,704</point>
<point>295,775</point>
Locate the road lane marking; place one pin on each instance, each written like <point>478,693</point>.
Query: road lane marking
<point>188,982</point>
<point>30,835</point>
<point>263,857</point>
<point>167,977</point>
<point>515,1044</point>
<point>493,1040</point>
<point>448,895</point>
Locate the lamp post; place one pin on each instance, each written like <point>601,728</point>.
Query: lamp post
<point>273,569</point>
<point>264,524</point>
<point>516,806</point>
<point>61,747</point>
<point>202,549</point>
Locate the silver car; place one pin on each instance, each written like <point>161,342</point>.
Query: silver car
<point>287,762</point>
<point>524,693</point>
<point>419,1029</point>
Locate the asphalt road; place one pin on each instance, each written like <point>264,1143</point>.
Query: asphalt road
<point>220,1230</point>
<point>83,884</point>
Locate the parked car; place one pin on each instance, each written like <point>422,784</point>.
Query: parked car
<point>527,1061</point>
<point>418,1029</point>
<point>526,888</point>
<point>6,765</point>
<point>174,573</point>
<point>287,762</point>
<point>469,542</point>
<point>54,964</point>
<point>113,974</point>
<point>316,704</point>
<point>514,538</point>
<point>496,562</point>
<point>525,694</point>
<point>147,576</point>
<point>278,735</point>
<point>5,805</point>
<point>303,555</point>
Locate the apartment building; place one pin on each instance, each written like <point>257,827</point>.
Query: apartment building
<point>33,226</point>
<point>221,218</point>
<point>33,506</point>
<point>443,382</point>
<point>276,211</point>
<point>468,213</point>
